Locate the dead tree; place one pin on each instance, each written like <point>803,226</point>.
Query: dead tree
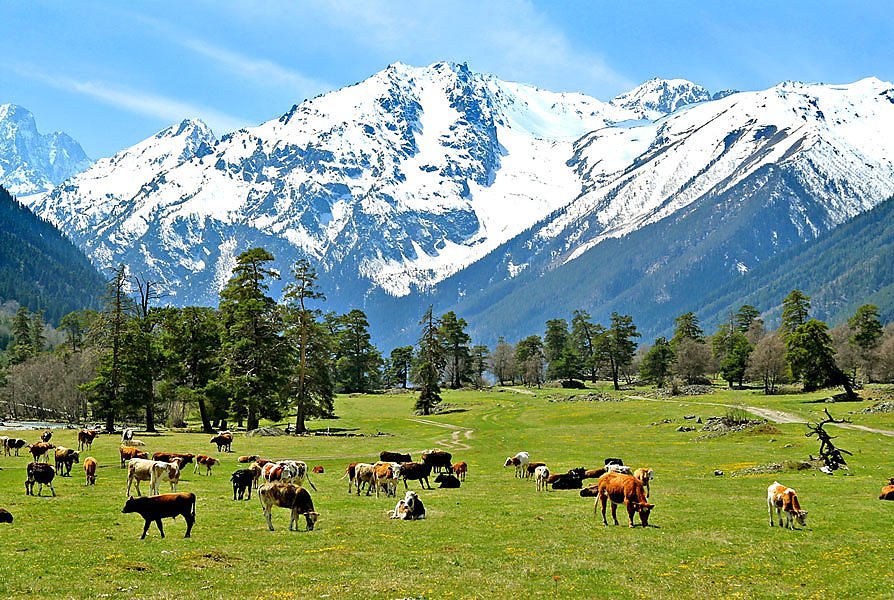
<point>830,455</point>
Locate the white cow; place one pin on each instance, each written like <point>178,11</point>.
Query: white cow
<point>520,462</point>
<point>541,474</point>
<point>363,473</point>
<point>153,471</point>
<point>624,469</point>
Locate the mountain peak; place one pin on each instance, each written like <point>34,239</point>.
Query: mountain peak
<point>658,97</point>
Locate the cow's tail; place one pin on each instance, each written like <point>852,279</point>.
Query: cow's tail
<point>311,482</point>
<point>194,508</point>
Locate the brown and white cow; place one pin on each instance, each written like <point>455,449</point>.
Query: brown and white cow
<point>785,499</point>
<point>65,458</point>
<point>385,476</point>
<point>318,469</point>
<point>248,459</point>
<point>645,475</point>
<point>90,470</point>
<point>203,460</point>
<point>520,462</point>
<point>541,476</point>
<point>887,491</point>
<point>287,471</point>
<point>620,489</point>
<point>153,471</point>
<point>287,495</point>
<point>164,506</point>
<point>532,466</point>
<point>85,438</point>
<point>40,449</point>
<point>363,473</point>
<point>183,458</point>
<point>129,452</point>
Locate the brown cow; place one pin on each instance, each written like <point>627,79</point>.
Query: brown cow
<point>620,489</point>
<point>287,495</point>
<point>90,470</point>
<point>182,459</point>
<point>38,449</point>
<point>156,508</point>
<point>223,440</point>
<point>389,456</point>
<point>415,472</point>
<point>887,491</point>
<point>645,475</point>
<point>85,438</point>
<point>386,475</point>
<point>318,469</point>
<point>248,459</point>
<point>595,473</point>
<point>65,457</point>
<point>460,469</point>
<point>205,461</point>
<point>128,452</point>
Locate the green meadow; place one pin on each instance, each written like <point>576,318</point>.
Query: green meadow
<point>495,537</point>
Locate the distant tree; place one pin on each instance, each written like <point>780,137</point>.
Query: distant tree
<point>687,328</point>
<point>38,333</point>
<point>767,362</point>
<point>847,355</point>
<point>795,312</point>
<point>657,363</point>
<point>555,340</point>
<point>456,343</point>
<point>431,357</point>
<point>586,339</point>
<point>885,366</point>
<point>479,364</point>
<point>77,326</point>
<point>530,359</point>
<point>745,317</point>
<point>22,346</point>
<point>359,362</point>
<point>618,345</point>
<point>502,362</point>
<point>867,336</point>
<point>735,360</point>
<point>692,360</point>
<point>399,364</point>
<point>811,357</point>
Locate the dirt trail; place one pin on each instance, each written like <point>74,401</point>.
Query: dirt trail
<point>770,414</point>
<point>454,442</point>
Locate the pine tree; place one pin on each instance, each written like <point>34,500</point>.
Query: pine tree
<point>795,312</point>
<point>430,361</point>
<point>455,341</point>
<point>359,362</point>
<point>656,365</point>
<point>400,362</point>
<point>618,344</point>
<point>22,347</point>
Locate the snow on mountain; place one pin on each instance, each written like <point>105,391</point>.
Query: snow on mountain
<point>31,162</point>
<point>658,97</point>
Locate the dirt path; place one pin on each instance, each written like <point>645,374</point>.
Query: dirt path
<point>770,414</point>
<point>454,442</point>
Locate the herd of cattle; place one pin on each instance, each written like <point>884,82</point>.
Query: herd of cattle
<point>281,482</point>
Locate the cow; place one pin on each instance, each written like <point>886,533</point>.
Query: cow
<point>613,461</point>
<point>318,469</point>
<point>287,495</point>
<point>5,516</point>
<point>129,452</point>
<point>65,457</point>
<point>532,466</point>
<point>90,470</point>
<point>13,444</point>
<point>164,506</point>
<point>183,458</point>
<point>256,471</point>
<point>541,475</point>
<point>645,475</point>
<point>46,435</point>
<point>520,462</point>
<point>242,481</point>
<point>460,469</point>
<point>153,471</point>
<point>887,491</point>
<point>205,461</point>
<point>438,460</point>
<point>85,438</point>
<point>351,474</point>
<point>620,489</point>
<point>126,434</point>
<point>248,459</point>
<point>616,468</point>
<point>386,456</point>
<point>40,473</point>
<point>595,473</point>
<point>40,449</point>
<point>363,473</point>
<point>785,499</point>
<point>447,481</point>
<point>415,471</point>
<point>223,440</point>
<point>287,471</point>
<point>137,443</point>
<point>386,475</point>
<point>408,508</point>
<point>572,480</point>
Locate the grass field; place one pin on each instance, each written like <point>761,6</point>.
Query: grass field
<point>493,538</point>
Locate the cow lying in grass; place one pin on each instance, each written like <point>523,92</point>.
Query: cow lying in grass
<point>164,506</point>
<point>408,508</point>
<point>887,491</point>
<point>287,495</point>
<point>5,516</point>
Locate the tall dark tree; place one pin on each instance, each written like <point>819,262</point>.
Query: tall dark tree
<point>400,362</point>
<point>359,363</point>
<point>143,351</point>
<point>619,346</point>
<point>867,336</point>
<point>431,358</point>
<point>456,343</point>
<point>745,317</point>
<point>38,334</point>
<point>22,346</point>
<point>795,312</point>
<point>255,355</point>
<point>811,356</point>
<point>656,365</point>
<point>563,361</point>
<point>735,360</point>
<point>77,326</point>
<point>586,339</point>
<point>478,367</point>
<point>686,326</point>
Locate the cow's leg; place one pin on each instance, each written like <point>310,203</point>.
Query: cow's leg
<point>268,515</point>
<point>249,492</point>
<point>190,519</point>
<point>146,528</point>
<point>630,511</point>
<point>293,520</point>
<point>52,489</point>
<point>161,529</point>
<point>196,468</point>
<point>603,500</point>
<point>615,513</point>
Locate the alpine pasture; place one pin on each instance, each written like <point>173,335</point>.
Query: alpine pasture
<point>496,536</point>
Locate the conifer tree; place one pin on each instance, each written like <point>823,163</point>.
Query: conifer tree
<point>430,360</point>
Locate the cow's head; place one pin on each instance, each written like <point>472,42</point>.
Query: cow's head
<point>800,517</point>
<point>643,509</point>
<point>311,518</point>
<point>129,506</point>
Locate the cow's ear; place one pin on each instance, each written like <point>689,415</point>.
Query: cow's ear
<point>131,498</point>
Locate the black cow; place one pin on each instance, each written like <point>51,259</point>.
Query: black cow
<point>447,481</point>
<point>242,480</point>
<point>42,474</point>
<point>572,480</point>
<point>5,516</point>
<point>386,456</point>
<point>614,461</point>
<point>438,460</point>
<point>163,506</point>
<point>415,472</point>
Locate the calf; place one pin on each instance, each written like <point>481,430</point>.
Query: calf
<point>318,469</point>
<point>460,469</point>
<point>520,462</point>
<point>182,458</point>
<point>363,473</point>
<point>90,470</point>
<point>42,474</point>
<point>438,460</point>
<point>287,495</point>
<point>13,444</point>
<point>205,461</point>
<point>621,489</point>
<point>887,491</point>
<point>645,475</point>
<point>248,459</point>
<point>128,452</point>
<point>5,516</point>
<point>785,499</point>
<point>447,481</point>
<point>415,471</point>
<point>242,481</point>
<point>408,508</point>
<point>541,475</point>
<point>224,440</point>
<point>85,438</point>
<point>65,457</point>
<point>153,471</point>
<point>40,449</point>
<point>164,506</point>
<point>386,456</point>
<point>385,476</point>
<point>532,466</point>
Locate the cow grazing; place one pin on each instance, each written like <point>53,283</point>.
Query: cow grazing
<point>85,438</point>
<point>248,459</point>
<point>40,449</point>
<point>408,508</point>
<point>90,470</point>
<point>46,435</point>
<point>385,476</point>
<point>242,481</point>
<point>287,495</point>
<point>785,499</point>
<point>224,441</point>
<point>645,475</point>
<point>129,452</point>
<point>42,474</point>
<point>205,461</point>
<point>415,471</point>
<point>621,489</point>
<point>572,480</point>
<point>616,468</point>
<point>65,457</point>
<point>164,506</point>
<point>13,444</point>
<point>532,466</point>
<point>318,469</point>
<point>541,475</point>
<point>438,460</point>
<point>182,458</point>
<point>447,481</point>
<point>520,462</point>
<point>887,491</point>
<point>153,471</point>
<point>386,456</point>
<point>460,469</point>
<point>5,516</point>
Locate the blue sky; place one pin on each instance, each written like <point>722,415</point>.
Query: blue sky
<point>111,74</point>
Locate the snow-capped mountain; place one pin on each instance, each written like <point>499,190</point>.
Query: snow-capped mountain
<point>31,162</point>
<point>438,183</point>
